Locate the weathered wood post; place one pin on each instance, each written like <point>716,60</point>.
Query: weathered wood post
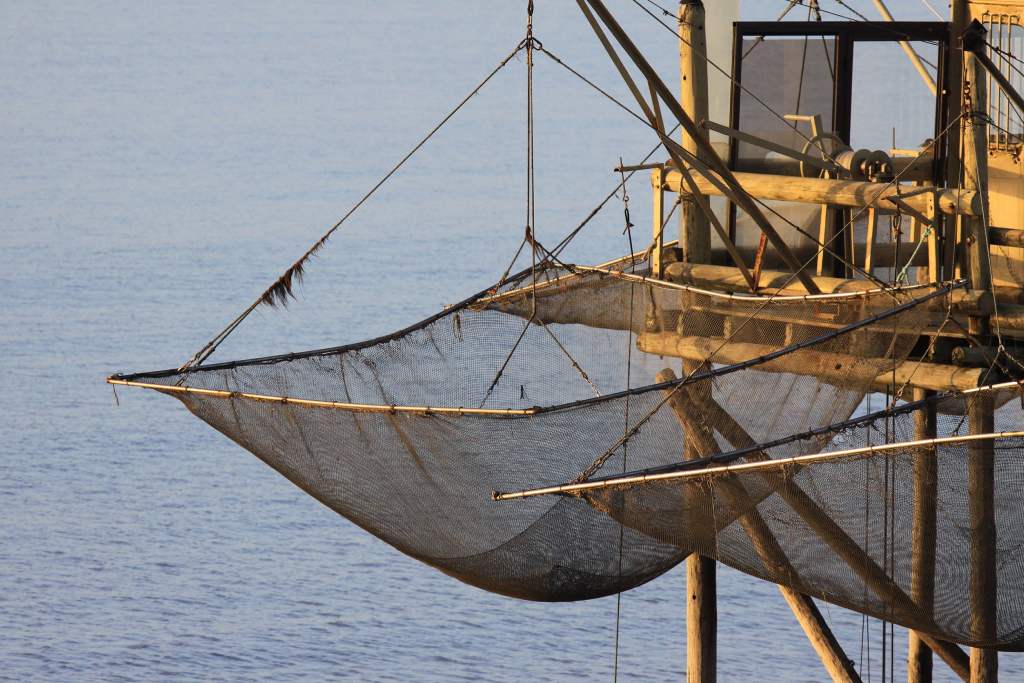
<point>694,228</point>
<point>922,576</point>
<point>981,472</point>
<point>695,241</point>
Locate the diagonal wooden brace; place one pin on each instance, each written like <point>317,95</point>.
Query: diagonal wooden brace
<point>742,199</point>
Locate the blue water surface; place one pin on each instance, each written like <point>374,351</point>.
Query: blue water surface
<point>160,164</point>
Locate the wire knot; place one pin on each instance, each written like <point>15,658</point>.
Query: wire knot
<point>530,42</point>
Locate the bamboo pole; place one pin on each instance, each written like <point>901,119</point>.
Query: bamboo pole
<point>334,405</point>
<point>922,577</point>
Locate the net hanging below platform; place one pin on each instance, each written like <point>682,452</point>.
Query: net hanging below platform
<point>408,435</point>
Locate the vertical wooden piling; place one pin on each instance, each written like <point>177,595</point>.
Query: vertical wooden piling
<point>695,241</point>
<point>981,493</point>
<point>922,577</point>
<point>694,228</point>
<point>981,457</point>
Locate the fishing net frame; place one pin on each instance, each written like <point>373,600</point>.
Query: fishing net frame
<point>420,473</point>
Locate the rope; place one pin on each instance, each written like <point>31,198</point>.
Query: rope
<point>282,289</point>
<point>529,43</point>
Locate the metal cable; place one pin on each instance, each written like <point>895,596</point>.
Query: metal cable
<point>281,289</point>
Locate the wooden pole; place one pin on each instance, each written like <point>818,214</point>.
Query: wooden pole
<point>839,192</point>
<point>981,473</point>
<point>694,229</point>
<point>701,589</point>
<point>922,577</point>
<point>981,493</point>
<point>695,241</point>
<point>699,437</point>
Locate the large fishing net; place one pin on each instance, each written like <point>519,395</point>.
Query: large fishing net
<point>841,525</point>
<point>542,380</point>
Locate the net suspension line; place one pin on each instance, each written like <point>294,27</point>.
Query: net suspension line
<point>282,289</point>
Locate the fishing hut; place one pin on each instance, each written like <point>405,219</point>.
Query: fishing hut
<point>816,382</point>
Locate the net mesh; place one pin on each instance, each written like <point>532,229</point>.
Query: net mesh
<point>843,529</point>
<point>580,354</point>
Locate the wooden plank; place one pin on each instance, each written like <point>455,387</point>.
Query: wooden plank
<point>658,218</point>
<point>869,242</point>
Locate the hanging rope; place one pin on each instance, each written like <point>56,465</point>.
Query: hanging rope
<point>529,43</point>
<point>283,288</point>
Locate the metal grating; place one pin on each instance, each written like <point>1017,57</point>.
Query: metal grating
<point>1005,33</point>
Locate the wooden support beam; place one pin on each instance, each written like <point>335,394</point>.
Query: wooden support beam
<point>833,535</point>
<point>1006,237</point>
<point>836,368</point>
<point>686,406</point>
<point>922,571</point>
<point>981,494</point>
<point>851,193</point>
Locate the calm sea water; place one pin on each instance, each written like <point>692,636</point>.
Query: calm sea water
<point>160,165</point>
